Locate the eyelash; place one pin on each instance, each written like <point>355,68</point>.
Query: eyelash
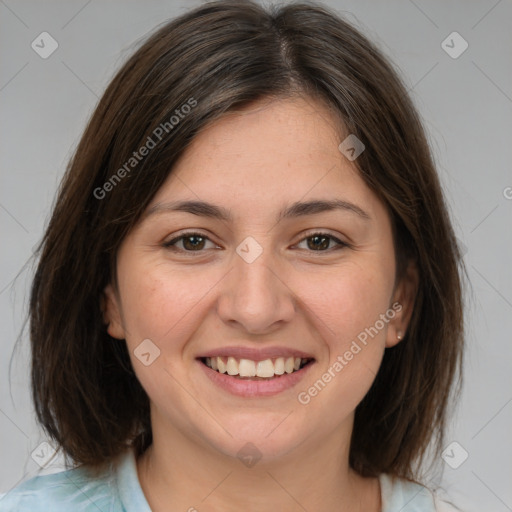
<point>171,244</point>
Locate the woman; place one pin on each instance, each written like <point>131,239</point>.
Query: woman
<point>249,293</point>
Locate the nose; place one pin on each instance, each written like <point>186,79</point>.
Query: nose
<point>255,296</point>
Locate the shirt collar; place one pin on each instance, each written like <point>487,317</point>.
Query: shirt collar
<point>130,491</point>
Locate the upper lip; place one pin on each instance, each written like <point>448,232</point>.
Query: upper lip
<point>256,354</point>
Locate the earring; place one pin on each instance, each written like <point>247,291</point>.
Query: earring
<point>399,335</point>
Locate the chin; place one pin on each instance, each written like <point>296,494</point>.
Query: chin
<point>260,436</point>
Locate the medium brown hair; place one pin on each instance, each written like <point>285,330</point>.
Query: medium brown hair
<point>226,55</point>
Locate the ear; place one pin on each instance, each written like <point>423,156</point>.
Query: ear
<point>403,304</point>
<point>110,306</point>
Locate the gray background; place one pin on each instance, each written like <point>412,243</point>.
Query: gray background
<point>466,104</point>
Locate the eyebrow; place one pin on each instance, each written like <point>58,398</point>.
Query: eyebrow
<point>297,209</point>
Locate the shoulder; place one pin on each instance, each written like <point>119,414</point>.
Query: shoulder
<point>403,495</point>
<point>77,489</point>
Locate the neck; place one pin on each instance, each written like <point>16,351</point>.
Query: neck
<point>178,472</point>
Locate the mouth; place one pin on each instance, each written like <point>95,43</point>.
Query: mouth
<point>255,372</point>
<point>263,370</point>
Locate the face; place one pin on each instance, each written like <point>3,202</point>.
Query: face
<point>270,287</point>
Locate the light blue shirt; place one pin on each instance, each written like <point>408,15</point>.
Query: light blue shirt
<point>117,489</point>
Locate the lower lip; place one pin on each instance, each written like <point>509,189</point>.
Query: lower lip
<point>255,388</point>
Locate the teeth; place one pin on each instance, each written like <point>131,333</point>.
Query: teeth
<point>232,366</point>
<point>265,368</point>
<point>249,368</point>
<point>279,366</point>
<point>220,364</point>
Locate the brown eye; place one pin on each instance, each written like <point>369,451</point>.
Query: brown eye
<point>191,242</point>
<point>320,242</point>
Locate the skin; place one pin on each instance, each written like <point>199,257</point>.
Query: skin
<point>254,163</point>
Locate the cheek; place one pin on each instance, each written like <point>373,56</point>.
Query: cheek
<point>347,301</point>
<point>348,316</point>
<point>164,306</point>
<point>159,303</point>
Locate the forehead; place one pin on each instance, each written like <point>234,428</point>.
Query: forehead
<point>267,134</point>
<point>270,154</point>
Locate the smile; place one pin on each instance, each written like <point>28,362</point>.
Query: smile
<point>255,373</point>
<point>250,369</point>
